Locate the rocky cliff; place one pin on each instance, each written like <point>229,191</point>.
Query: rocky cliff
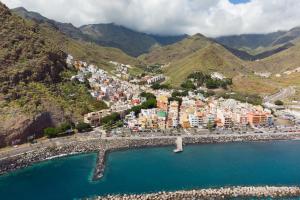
<point>32,81</point>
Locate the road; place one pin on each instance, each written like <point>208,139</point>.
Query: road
<point>13,151</point>
<point>282,94</point>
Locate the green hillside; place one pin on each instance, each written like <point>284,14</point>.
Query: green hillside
<point>213,58</point>
<point>35,90</point>
<point>280,62</point>
<point>179,50</point>
<point>195,53</point>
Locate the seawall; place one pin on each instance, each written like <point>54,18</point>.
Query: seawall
<point>104,146</point>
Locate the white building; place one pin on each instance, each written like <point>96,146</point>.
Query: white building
<point>155,79</point>
<point>195,121</point>
<point>217,75</point>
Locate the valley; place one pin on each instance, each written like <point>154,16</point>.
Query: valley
<point>257,64</point>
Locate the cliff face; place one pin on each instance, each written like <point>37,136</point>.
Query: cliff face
<point>27,59</point>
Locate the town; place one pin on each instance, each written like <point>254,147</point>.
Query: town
<point>134,107</point>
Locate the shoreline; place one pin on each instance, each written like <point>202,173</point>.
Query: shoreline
<point>213,193</point>
<point>105,146</point>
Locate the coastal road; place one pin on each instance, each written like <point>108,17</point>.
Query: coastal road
<point>14,151</point>
<point>282,94</point>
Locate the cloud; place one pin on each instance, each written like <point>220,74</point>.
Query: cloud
<point>209,17</point>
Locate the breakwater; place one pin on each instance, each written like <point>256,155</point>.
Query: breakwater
<point>221,193</point>
<point>104,146</point>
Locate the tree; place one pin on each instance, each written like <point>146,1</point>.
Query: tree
<point>51,132</point>
<point>114,117</point>
<point>83,127</point>
<point>189,85</point>
<point>151,103</point>
<point>279,103</point>
<point>212,84</point>
<point>64,127</point>
<point>210,126</point>
<point>148,95</point>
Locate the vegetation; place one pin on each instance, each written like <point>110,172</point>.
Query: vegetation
<point>246,98</point>
<point>148,96</point>
<point>157,86</point>
<point>83,127</point>
<point>199,79</point>
<point>210,126</point>
<point>110,119</point>
<point>188,85</point>
<point>148,104</point>
<point>155,68</point>
<point>279,103</point>
<point>35,79</point>
<point>50,132</point>
<point>177,93</point>
<point>61,130</point>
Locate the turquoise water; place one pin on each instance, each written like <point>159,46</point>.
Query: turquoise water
<point>149,170</point>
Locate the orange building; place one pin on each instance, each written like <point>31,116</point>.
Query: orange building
<point>257,118</point>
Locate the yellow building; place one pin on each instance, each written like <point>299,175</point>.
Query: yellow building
<point>162,102</point>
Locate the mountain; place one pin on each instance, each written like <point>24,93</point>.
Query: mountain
<point>259,46</point>
<point>176,51</point>
<point>288,59</point>
<point>66,28</point>
<point>195,53</point>
<point>35,87</point>
<point>110,35</point>
<point>131,42</point>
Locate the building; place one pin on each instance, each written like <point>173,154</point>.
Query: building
<point>155,79</point>
<point>224,118</point>
<point>94,118</point>
<point>195,121</point>
<point>257,118</point>
<point>148,119</point>
<point>217,75</point>
<point>173,115</point>
<point>161,119</point>
<point>162,102</point>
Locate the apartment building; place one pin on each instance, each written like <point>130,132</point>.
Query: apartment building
<point>173,114</point>
<point>162,102</point>
<point>155,79</point>
<point>94,118</point>
<point>258,118</point>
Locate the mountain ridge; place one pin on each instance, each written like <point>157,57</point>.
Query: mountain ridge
<point>139,42</point>
<point>260,46</point>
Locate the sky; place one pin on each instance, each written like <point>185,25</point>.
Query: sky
<point>171,17</point>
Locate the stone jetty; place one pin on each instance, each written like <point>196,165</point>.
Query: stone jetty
<point>104,146</point>
<point>210,194</point>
